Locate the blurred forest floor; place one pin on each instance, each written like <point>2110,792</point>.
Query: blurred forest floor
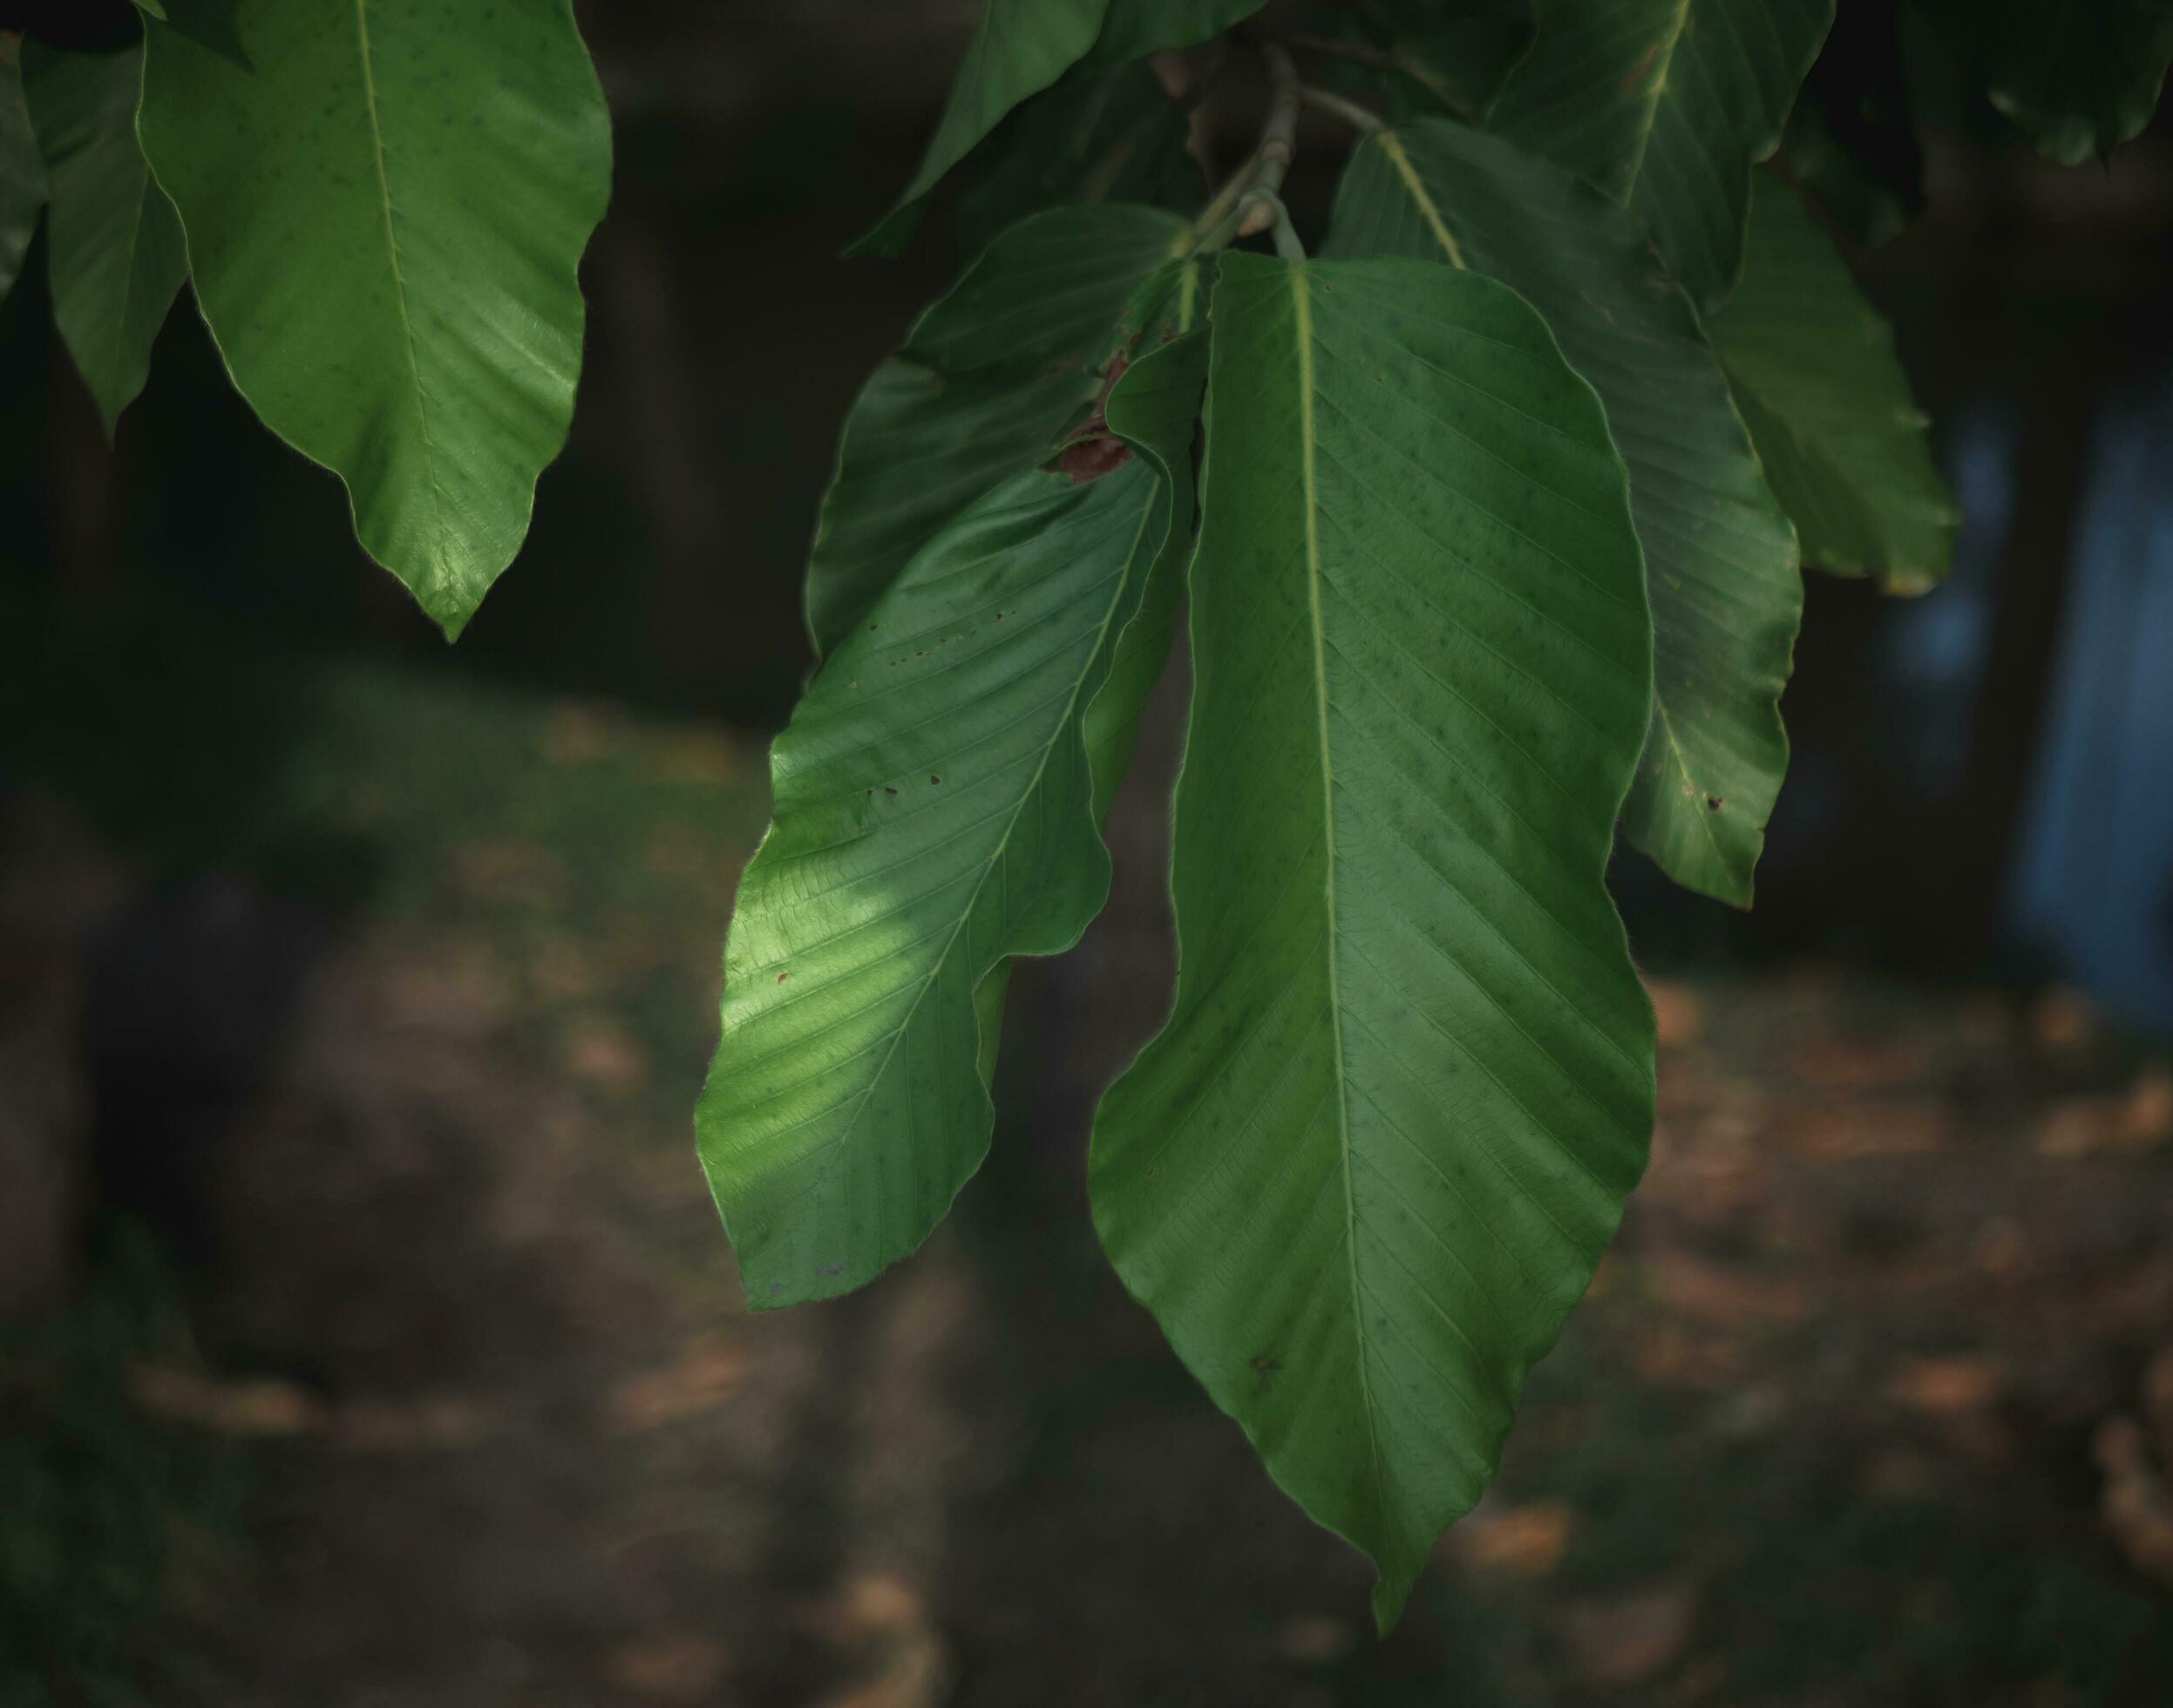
<point>434,1386</point>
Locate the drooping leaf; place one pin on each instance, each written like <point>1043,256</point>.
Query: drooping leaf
<point>1136,28</point>
<point>1665,105</point>
<point>1813,369</point>
<point>115,244</point>
<point>22,174</point>
<point>984,383</point>
<point>1720,557</point>
<point>935,815</point>
<point>1367,1167</point>
<point>2081,77</point>
<point>1113,135</point>
<point>1019,48</point>
<point>386,205</point>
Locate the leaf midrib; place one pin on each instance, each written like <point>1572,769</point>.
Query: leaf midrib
<point>972,901</point>
<point>1302,329</point>
<point>442,566</point>
<point>1663,64</point>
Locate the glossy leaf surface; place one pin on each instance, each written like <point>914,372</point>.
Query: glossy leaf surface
<point>114,242</point>
<point>1665,105</point>
<point>386,203</point>
<point>22,174</point>
<point>2081,79</point>
<point>1843,443</point>
<point>1367,1167</point>
<point>1720,557</point>
<point>985,383</point>
<point>935,814</point>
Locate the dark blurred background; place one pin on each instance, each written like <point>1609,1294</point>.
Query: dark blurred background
<point>366,1335</point>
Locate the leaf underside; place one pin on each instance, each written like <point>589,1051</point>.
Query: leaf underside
<point>1843,443</point>
<point>1368,1166</point>
<point>937,797</point>
<point>115,248</point>
<point>386,204</point>
<point>1665,105</point>
<point>1720,557</point>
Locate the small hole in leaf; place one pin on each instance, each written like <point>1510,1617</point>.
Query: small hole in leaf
<point>933,778</point>
<point>1714,802</point>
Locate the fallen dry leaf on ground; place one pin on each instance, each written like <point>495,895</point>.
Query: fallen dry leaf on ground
<point>1620,1640</point>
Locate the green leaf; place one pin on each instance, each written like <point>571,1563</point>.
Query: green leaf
<point>114,241</point>
<point>1368,1167</point>
<point>1019,48</point>
<point>386,203</point>
<point>1135,29</point>
<point>1720,557</point>
<point>22,174</point>
<point>151,8</point>
<point>2081,79</point>
<point>985,383</point>
<point>1457,58</point>
<point>935,814</point>
<point>1665,105</point>
<point>1814,372</point>
<point>1112,136</point>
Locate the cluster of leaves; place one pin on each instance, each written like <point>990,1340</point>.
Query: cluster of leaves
<point>1490,520</point>
<point>381,208</point>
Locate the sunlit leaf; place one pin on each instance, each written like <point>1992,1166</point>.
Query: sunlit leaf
<point>385,207</point>
<point>1665,105</point>
<point>1843,443</point>
<point>936,810</point>
<point>114,243</point>
<point>2081,79</point>
<point>986,381</point>
<point>1720,557</point>
<point>1368,1165</point>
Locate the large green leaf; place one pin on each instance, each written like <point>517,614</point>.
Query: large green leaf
<point>984,383</point>
<point>936,807</point>
<point>1720,557</point>
<point>1665,105</point>
<point>1449,58</point>
<point>386,202</point>
<point>1019,48</point>
<point>2080,78</point>
<point>1368,1167</point>
<point>1814,372</point>
<point>113,240</point>
<point>22,175</point>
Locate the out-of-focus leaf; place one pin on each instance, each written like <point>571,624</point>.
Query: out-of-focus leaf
<point>1813,369</point>
<point>22,174</point>
<point>936,806</point>
<point>1851,142</point>
<point>1368,1167</point>
<point>1458,57</point>
<point>2080,78</point>
<point>114,245</point>
<point>1720,557</point>
<point>386,207</point>
<point>1665,105</point>
<point>984,383</point>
